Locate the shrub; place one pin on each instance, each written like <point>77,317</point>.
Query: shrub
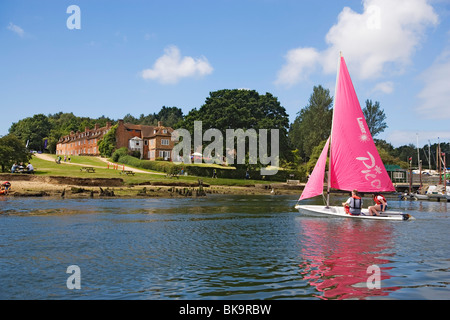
<point>119,153</point>
<point>201,170</point>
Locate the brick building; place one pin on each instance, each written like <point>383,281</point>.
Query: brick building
<point>82,143</point>
<point>153,142</point>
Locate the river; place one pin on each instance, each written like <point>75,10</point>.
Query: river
<point>218,247</point>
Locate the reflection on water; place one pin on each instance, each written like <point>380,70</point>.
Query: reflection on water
<point>337,264</point>
<point>218,247</point>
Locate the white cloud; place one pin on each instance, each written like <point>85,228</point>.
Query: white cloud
<point>380,39</point>
<point>171,67</point>
<point>435,95</point>
<point>16,29</point>
<point>300,63</point>
<point>384,87</point>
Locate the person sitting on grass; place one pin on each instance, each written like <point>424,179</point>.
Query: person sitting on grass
<point>30,168</point>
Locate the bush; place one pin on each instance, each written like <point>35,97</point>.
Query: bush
<point>201,170</point>
<point>119,153</point>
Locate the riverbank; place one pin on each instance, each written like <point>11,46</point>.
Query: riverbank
<point>72,187</point>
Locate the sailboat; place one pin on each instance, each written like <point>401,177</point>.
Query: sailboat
<point>354,162</point>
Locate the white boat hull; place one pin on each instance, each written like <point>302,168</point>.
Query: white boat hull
<point>421,196</point>
<point>321,210</point>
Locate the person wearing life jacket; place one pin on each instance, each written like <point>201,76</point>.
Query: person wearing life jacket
<point>4,188</point>
<point>354,204</point>
<point>380,205</point>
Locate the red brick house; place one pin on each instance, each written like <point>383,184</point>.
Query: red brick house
<point>153,142</point>
<point>82,143</point>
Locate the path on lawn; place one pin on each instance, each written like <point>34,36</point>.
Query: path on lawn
<point>49,157</point>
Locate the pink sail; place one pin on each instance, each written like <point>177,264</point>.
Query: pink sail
<point>355,162</point>
<point>314,186</point>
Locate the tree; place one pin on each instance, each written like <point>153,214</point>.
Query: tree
<point>12,150</point>
<point>32,129</point>
<point>313,123</point>
<point>315,154</point>
<point>241,109</point>
<point>169,116</point>
<point>107,144</point>
<point>374,117</point>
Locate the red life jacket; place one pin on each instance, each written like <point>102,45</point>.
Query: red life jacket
<point>356,208</point>
<point>378,201</point>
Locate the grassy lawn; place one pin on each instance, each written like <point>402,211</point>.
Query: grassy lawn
<point>51,168</point>
<point>88,161</point>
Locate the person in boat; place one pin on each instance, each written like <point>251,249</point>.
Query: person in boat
<point>354,204</point>
<point>380,204</point>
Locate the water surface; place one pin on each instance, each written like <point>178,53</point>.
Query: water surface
<point>218,247</point>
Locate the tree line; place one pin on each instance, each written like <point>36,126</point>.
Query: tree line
<point>300,142</point>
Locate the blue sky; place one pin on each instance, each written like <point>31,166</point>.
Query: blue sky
<point>136,56</point>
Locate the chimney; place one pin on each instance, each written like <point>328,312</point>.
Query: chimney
<point>108,125</point>
<point>96,126</point>
<point>160,124</point>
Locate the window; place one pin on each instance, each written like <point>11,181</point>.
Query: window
<point>165,142</point>
<point>164,154</point>
<point>398,175</point>
<point>164,130</point>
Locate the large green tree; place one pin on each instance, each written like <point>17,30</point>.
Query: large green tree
<point>12,150</point>
<point>313,123</point>
<point>40,128</point>
<point>241,109</point>
<point>33,130</point>
<point>375,117</point>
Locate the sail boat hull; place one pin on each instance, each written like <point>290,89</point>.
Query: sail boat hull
<point>334,211</point>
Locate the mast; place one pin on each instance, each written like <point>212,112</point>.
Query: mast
<point>417,146</point>
<point>429,156</point>
<point>419,163</point>
<point>331,135</point>
<point>438,158</point>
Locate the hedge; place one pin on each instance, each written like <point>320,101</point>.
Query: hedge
<point>237,172</point>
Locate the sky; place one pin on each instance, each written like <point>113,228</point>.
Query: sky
<point>113,58</point>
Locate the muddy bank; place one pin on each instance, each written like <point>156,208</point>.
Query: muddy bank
<point>93,182</point>
<point>70,187</point>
